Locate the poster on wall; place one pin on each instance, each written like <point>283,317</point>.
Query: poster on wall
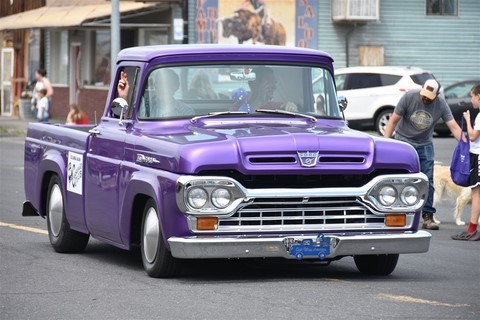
<point>272,22</point>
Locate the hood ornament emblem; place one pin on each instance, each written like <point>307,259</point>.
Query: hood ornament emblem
<point>308,158</point>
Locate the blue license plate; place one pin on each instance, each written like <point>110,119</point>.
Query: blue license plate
<point>318,247</point>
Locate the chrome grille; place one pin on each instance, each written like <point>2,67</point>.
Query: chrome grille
<point>289,214</point>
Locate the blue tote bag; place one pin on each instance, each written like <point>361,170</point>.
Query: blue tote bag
<point>460,166</point>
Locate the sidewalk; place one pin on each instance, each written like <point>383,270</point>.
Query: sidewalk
<point>15,126</point>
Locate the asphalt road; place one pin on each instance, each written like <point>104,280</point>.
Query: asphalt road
<point>107,283</point>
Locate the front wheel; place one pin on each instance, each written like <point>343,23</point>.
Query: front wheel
<point>380,265</point>
<point>62,238</point>
<point>382,121</point>
<point>157,260</point>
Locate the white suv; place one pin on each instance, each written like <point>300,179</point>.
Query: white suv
<point>373,92</point>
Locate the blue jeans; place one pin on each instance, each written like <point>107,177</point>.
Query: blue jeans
<point>426,154</point>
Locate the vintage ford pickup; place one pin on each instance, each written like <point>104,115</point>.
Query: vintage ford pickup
<point>226,152</point>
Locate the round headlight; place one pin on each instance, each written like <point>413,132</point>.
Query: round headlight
<point>221,198</point>
<point>197,197</point>
<point>387,195</point>
<point>409,195</point>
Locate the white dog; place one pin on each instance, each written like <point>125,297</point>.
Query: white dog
<point>445,187</point>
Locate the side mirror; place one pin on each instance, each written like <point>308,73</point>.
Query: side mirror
<point>119,108</point>
<point>342,103</point>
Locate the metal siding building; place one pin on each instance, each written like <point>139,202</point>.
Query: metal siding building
<point>448,46</point>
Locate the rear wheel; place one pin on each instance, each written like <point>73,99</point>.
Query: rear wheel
<point>157,259</point>
<point>62,238</point>
<point>380,265</point>
<point>382,121</point>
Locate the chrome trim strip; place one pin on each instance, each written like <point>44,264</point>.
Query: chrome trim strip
<point>199,247</point>
<point>351,227</point>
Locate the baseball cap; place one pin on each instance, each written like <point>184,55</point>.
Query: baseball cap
<point>430,89</point>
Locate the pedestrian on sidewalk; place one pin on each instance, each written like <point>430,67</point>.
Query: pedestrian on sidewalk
<point>413,121</point>
<point>42,83</point>
<point>472,232</point>
<point>42,106</point>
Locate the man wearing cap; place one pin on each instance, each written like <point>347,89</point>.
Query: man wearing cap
<point>413,121</point>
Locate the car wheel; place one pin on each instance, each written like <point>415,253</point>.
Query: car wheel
<point>380,265</point>
<point>382,121</point>
<point>157,260</point>
<point>62,238</point>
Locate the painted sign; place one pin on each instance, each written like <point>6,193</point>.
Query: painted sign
<point>74,172</point>
<point>306,26</point>
<point>273,22</point>
<point>206,17</point>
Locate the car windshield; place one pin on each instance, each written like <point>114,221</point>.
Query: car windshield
<point>193,91</point>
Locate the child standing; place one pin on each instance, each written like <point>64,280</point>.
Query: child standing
<point>42,106</point>
<point>472,233</point>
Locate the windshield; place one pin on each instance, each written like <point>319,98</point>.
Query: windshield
<point>192,91</point>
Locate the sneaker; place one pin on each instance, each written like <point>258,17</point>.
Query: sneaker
<point>429,224</point>
<point>465,235</point>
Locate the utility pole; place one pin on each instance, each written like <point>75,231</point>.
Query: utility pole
<point>114,36</point>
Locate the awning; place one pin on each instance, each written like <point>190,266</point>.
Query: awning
<point>65,16</point>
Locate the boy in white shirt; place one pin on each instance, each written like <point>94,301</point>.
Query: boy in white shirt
<point>42,106</point>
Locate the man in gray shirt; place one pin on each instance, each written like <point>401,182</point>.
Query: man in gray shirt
<point>413,121</point>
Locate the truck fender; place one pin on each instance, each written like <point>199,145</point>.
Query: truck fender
<point>140,185</point>
<point>52,162</point>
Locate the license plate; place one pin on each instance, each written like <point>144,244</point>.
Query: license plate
<point>318,247</point>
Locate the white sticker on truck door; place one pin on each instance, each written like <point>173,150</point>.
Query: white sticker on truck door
<point>74,172</point>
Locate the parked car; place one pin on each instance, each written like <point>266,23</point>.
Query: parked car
<point>373,92</point>
<point>458,98</point>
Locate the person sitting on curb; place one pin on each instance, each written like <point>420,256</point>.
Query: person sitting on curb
<point>76,115</point>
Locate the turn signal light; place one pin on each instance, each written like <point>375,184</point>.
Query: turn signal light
<point>207,223</point>
<point>396,220</point>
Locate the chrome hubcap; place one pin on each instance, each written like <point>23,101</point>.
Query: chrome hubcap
<point>151,233</point>
<point>55,210</point>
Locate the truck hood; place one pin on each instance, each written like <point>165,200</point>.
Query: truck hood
<point>272,147</point>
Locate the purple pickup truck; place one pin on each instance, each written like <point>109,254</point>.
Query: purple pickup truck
<point>226,152</point>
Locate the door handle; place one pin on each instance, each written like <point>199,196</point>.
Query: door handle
<point>93,132</point>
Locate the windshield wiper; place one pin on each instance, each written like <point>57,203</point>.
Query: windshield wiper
<point>214,114</point>
<point>296,114</point>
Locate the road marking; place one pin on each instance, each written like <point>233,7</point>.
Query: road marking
<point>24,228</point>
<point>421,301</point>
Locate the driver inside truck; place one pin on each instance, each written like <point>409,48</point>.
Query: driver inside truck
<point>262,90</point>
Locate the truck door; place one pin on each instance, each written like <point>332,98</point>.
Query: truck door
<point>102,171</point>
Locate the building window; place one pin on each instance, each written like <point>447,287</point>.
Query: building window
<point>442,7</point>
<point>59,57</point>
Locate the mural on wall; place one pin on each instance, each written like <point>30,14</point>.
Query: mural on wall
<point>273,22</point>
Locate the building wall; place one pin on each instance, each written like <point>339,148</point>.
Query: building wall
<point>448,46</point>
<point>90,100</point>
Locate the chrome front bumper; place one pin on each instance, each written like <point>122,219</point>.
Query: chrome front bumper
<point>203,247</point>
